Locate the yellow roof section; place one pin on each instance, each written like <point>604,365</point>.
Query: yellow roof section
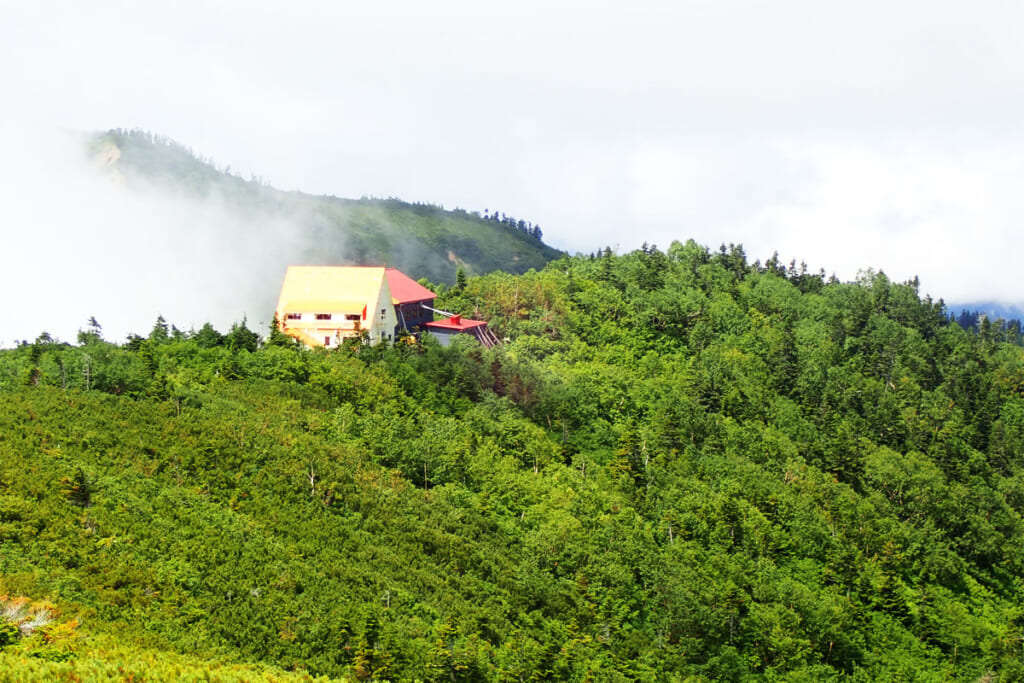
<point>330,288</point>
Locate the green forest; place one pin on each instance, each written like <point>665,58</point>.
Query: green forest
<point>679,465</point>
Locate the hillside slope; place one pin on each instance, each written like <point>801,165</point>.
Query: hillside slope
<point>422,240</point>
<point>681,467</point>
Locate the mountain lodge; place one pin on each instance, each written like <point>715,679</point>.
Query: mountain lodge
<point>323,305</point>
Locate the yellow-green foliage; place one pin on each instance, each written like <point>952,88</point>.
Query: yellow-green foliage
<point>102,658</point>
<point>45,646</point>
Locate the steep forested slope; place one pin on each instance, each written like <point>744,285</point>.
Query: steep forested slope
<point>679,465</point>
<point>421,239</point>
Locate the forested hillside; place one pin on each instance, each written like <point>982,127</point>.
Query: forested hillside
<point>679,466</point>
<point>422,239</point>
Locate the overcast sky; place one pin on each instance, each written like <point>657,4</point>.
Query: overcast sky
<point>848,135</point>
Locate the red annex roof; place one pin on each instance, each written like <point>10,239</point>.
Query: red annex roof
<point>456,322</point>
<point>404,289</point>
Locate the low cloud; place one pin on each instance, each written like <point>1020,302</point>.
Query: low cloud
<point>946,215</point>
<point>869,135</point>
<point>80,242</point>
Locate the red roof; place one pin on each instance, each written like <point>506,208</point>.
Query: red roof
<point>404,289</point>
<point>456,322</point>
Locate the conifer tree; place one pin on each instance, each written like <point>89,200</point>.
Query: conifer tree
<point>277,337</point>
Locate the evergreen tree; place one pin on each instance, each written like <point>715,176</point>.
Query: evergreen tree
<point>77,489</point>
<point>160,332</point>
<point>277,337</point>
<point>242,338</point>
<point>207,337</point>
<point>92,333</point>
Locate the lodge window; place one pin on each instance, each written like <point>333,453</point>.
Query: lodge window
<point>323,316</point>
<point>352,316</point>
<point>293,316</point>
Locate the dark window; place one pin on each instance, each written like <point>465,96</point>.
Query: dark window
<point>352,316</point>
<point>293,316</point>
<point>327,341</point>
<point>383,313</point>
<point>323,316</point>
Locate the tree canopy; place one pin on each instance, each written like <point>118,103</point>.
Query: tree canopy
<point>679,465</point>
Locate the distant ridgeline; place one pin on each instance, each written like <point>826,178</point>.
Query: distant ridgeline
<point>422,239</point>
<point>991,323</point>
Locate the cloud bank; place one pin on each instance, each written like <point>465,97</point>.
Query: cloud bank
<point>866,135</point>
<point>79,242</point>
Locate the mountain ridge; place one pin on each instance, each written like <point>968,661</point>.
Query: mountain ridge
<point>424,240</point>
